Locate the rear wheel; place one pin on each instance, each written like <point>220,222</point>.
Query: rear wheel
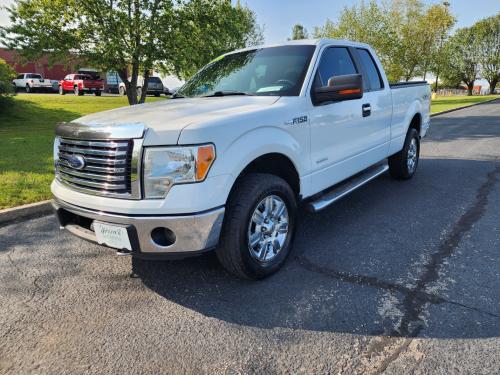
<point>78,91</point>
<point>403,165</point>
<point>139,92</point>
<point>28,89</point>
<point>157,94</point>
<point>259,226</point>
<point>121,90</point>
<point>98,93</point>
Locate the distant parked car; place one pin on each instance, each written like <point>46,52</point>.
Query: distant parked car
<point>79,84</point>
<point>31,82</point>
<point>155,86</point>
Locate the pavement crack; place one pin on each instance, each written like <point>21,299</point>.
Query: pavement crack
<point>413,303</point>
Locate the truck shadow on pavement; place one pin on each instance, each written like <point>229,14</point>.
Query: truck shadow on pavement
<point>403,259</point>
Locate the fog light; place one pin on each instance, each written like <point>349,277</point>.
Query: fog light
<point>163,237</point>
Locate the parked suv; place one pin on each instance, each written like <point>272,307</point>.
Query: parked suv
<point>31,82</point>
<point>225,164</point>
<point>155,86</point>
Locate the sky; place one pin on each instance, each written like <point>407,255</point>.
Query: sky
<point>278,16</point>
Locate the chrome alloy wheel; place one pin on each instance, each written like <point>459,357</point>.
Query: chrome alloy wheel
<point>412,156</point>
<point>268,229</point>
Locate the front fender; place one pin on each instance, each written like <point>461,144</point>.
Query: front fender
<point>234,157</point>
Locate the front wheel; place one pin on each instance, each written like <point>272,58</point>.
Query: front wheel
<point>122,91</point>
<point>259,226</point>
<point>403,165</point>
<point>28,89</point>
<point>61,91</point>
<point>98,93</point>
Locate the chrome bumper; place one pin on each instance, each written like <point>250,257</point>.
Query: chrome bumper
<point>193,232</point>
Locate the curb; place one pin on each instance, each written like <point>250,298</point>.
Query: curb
<point>463,107</point>
<point>27,211</point>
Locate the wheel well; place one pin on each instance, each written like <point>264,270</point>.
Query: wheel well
<point>276,164</point>
<point>416,122</point>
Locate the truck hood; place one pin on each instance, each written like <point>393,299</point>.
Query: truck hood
<point>164,120</point>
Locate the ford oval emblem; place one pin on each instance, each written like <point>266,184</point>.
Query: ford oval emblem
<point>76,161</point>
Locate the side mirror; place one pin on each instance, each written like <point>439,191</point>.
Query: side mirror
<point>347,87</point>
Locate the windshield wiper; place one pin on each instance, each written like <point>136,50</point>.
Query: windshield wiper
<point>227,93</point>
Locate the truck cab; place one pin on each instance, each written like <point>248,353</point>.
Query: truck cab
<point>227,162</point>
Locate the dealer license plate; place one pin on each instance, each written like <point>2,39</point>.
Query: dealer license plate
<point>112,235</point>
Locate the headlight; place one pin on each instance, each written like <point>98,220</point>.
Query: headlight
<point>168,166</point>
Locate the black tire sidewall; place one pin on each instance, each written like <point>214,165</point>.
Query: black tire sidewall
<point>252,267</point>
<point>412,133</point>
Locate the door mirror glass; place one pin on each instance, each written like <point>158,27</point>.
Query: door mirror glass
<point>345,87</point>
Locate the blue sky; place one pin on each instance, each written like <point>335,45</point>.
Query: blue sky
<point>279,16</point>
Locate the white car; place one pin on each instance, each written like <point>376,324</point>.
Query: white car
<point>31,82</point>
<point>226,162</point>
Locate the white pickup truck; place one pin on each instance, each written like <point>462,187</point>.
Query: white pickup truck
<point>31,82</point>
<point>226,162</point>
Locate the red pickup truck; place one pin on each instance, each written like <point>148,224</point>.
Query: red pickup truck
<point>80,84</point>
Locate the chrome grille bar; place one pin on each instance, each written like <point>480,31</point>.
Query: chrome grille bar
<point>107,168</point>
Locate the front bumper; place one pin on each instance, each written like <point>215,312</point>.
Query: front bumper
<point>194,233</point>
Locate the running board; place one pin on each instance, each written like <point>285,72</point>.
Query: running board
<point>342,189</point>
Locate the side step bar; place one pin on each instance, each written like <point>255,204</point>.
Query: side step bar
<point>343,188</point>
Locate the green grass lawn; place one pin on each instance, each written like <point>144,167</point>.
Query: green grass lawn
<point>443,103</point>
<point>27,126</point>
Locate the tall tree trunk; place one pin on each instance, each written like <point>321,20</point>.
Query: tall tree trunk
<point>144,90</point>
<point>493,85</point>
<point>436,84</point>
<point>470,87</point>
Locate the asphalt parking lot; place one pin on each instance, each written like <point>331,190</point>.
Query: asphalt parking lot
<point>398,277</point>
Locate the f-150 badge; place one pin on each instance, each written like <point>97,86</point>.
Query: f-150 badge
<point>296,120</point>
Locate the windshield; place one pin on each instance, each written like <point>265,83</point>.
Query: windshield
<point>266,71</point>
<point>154,80</point>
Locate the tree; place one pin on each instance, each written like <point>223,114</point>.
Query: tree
<point>405,33</point>
<point>131,37</point>
<point>436,25</point>
<point>488,38</point>
<point>463,58</point>
<point>299,32</point>
<point>7,74</point>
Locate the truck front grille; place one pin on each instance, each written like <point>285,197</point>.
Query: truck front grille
<point>97,167</point>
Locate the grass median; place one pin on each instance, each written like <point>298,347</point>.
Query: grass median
<point>27,126</point>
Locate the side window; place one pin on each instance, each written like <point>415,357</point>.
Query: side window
<point>373,75</point>
<point>336,61</point>
<point>20,76</point>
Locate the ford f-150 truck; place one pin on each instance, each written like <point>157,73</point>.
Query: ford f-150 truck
<point>226,162</point>
<point>31,82</point>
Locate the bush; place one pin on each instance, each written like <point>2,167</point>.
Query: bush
<point>7,74</point>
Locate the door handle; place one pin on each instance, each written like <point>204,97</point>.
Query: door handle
<point>366,109</point>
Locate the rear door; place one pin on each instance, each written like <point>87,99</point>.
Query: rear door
<point>377,98</point>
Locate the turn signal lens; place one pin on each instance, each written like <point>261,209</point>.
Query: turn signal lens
<point>204,160</point>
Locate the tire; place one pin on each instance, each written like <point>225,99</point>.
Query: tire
<point>157,94</point>
<point>122,91</point>
<point>28,89</point>
<point>234,251</point>
<point>98,93</point>
<point>77,91</point>
<point>139,92</point>
<point>400,165</point>
<point>61,91</point>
